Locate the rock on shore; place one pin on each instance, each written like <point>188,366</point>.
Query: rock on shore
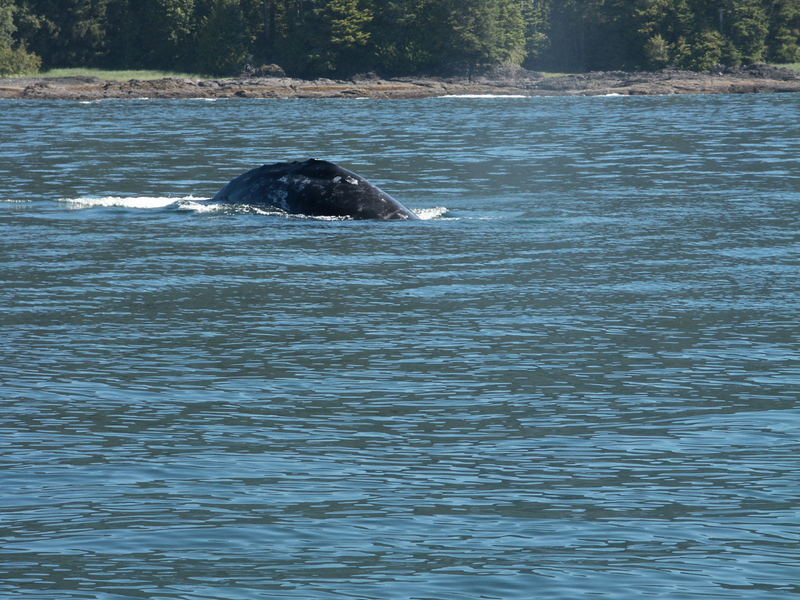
<point>515,81</point>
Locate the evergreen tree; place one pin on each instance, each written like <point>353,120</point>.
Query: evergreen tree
<point>341,37</point>
<point>69,32</point>
<point>400,42</point>
<point>655,26</point>
<point>656,52</point>
<point>157,34</point>
<point>705,51</point>
<point>486,32</point>
<point>567,37</point>
<point>783,42</point>
<point>477,33</point>
<point>748,29</point>
<point>535,15</point>
<point>14,59</point>
<point>223,44</point>
<point>7,27</point>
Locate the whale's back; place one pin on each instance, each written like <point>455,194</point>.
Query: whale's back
<point>315,188</point>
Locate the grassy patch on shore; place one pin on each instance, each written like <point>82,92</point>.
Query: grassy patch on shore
<point>117,75</point>
<point>145,75</point>
<point>549,74</point>
<point>793,66</point>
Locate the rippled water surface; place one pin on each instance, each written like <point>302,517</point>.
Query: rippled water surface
<point>577,377</point>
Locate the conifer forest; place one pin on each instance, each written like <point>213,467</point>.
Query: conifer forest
<point>310,38</point>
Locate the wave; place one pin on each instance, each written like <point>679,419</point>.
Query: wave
<point>205,205</point>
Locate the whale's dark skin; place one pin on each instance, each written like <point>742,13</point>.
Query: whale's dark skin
<point>315,188</point>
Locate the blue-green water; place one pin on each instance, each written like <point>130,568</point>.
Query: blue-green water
<point>577,377</point>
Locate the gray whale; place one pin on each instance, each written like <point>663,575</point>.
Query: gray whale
<point>315,188</point>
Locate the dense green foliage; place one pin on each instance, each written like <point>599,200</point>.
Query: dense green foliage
<point>320,37</point>
<point>14,58</point>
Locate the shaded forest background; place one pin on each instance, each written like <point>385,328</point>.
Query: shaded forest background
<point>395,37</point>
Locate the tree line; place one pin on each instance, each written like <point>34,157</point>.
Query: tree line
<point>395,37</point>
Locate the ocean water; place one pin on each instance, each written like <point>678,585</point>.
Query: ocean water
<point>576,377</point>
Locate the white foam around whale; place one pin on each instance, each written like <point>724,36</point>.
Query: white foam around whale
<point>204,205</point>
<point>130,202</point>
<point>429,213</point>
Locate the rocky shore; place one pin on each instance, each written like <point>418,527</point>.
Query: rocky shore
<point>500,81</point>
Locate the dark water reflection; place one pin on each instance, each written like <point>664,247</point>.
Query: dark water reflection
<point>581,380</point>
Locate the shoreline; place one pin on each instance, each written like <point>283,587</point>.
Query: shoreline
<point>516,82</point>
